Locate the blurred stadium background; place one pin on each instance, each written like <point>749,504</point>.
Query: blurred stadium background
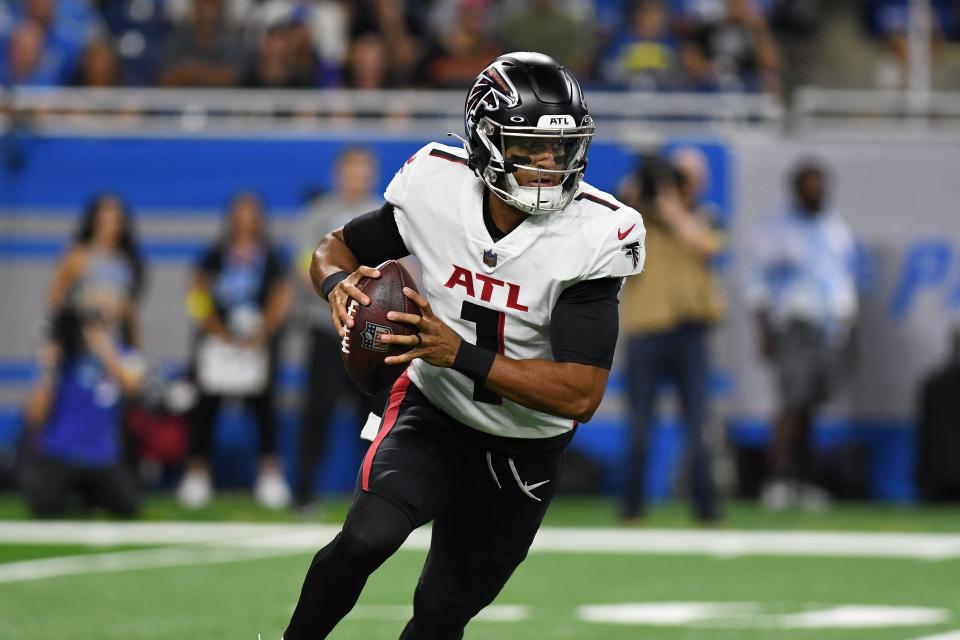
<point>177,105</point>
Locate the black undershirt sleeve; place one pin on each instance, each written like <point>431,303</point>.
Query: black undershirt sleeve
<point>374,237</point>
<point>585,322</point>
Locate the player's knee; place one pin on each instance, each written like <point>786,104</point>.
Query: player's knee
<point>367,545</point>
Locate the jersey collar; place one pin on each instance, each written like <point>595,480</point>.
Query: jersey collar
<point>479,237</point>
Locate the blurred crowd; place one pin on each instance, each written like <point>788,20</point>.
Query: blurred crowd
<point>652,45</point>
<point>102,423</point>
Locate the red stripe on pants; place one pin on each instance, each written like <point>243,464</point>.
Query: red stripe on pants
<point>397,394</point>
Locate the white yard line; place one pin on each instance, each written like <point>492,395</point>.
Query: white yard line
<point>752,543</point>
<point>564,540</point>
<point>27,570</point>
<point>854,616</point>
<point>751,615</point>
<point>668,614</point>
<point>949,635</point>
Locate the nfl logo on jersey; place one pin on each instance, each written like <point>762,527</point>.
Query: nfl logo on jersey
<point>489,258</point>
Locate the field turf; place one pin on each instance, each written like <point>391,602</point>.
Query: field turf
<point>657,596</point>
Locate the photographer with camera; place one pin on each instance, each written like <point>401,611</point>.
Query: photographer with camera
<point>74,410</point>
<point>668,311</point>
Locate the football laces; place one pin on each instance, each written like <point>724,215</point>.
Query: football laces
<point>345,342</point>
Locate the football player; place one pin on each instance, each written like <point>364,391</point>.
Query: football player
<point>522,265</point>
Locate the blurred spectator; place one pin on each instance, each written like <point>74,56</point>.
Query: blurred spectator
<point>644,55</point>
<point>327,381</point>
<point>239,299</point>
<point>204,51</point>
<point>399,26</point>
<point>104,253</point>
<point>234,11</point>
<point>938,429</point>
<point>367,64</point>
<point>804,291</point>
<point>281,60</point>
<point>322,73</point>
<point>545,28</point>
<point>893,26</point>
<point>697,73</point>
<point>73,412</point>
<point>99,66</point>
<point>887,17</point>
<point>743,49</point>
<point>690,12</point>
<point>66,27</point>
<point>667,313</point>
<point>327,22</point>
<point>140,29</point>
<point>466,49</point>
<point>28,62</point>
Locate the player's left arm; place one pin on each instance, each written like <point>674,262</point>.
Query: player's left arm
<point>584,327</point>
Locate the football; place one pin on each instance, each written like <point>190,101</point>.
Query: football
<point>362,349</point>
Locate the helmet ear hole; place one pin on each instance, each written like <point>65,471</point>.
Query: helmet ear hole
<point>479,156</point>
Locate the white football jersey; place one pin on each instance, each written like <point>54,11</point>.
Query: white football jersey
<point>499,295</point>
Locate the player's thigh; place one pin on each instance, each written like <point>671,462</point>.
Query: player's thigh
<point>483,536</point>
<point>413,468</point>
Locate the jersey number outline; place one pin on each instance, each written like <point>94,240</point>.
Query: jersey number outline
<point>489,336</point>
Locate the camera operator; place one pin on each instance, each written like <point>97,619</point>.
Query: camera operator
<point>74,410</point>
<point>667,313</point>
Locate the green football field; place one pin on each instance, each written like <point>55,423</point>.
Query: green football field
<point>759,576</point>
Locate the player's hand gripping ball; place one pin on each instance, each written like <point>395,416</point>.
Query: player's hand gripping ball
<point>363,348</point>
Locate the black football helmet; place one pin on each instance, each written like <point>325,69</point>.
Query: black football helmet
<point>526,112</point>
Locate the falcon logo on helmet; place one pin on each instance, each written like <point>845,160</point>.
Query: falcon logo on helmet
<point>490,89</point>
<point>536,169</point>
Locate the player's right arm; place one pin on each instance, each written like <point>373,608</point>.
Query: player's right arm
<point>342,258</point>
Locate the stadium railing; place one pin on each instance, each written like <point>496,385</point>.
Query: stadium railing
<point>815,109</point>
<point>626,116</point>
<point>633,117</point>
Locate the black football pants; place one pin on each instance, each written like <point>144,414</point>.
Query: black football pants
<point>486,497</point>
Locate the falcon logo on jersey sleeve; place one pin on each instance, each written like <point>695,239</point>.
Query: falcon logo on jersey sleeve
<point>632,251</point>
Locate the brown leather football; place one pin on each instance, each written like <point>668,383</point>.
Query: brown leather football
<point>362,349</point>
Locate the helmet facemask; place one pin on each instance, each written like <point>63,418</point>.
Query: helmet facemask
<point>534,169</point>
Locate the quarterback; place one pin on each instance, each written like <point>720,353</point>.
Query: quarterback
<point>522,264</point>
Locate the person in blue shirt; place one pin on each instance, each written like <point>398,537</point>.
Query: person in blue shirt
<point>803,288</point>
<point>41,41</point>
<point>74,410</point>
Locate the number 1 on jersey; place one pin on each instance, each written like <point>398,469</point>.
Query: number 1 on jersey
<point>489,336</point>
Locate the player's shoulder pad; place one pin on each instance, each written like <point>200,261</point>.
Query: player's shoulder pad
<point>593,201</point>
<point>432,162</point>
<point>618,237</point>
